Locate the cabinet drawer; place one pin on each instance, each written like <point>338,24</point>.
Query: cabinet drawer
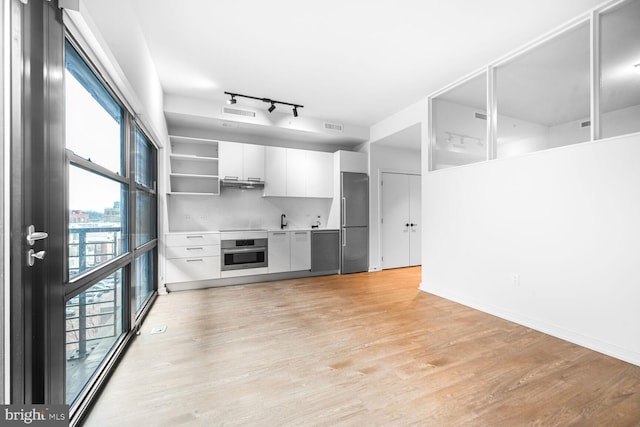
<point>193,239</point>
<point>192,269</point>
<point>193,251</point>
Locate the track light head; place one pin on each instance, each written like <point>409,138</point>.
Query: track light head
<point>273,107</point>
<point>295,111</point>
<point>232,100</point>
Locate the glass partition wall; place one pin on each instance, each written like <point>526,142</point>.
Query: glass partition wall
<point>578,85</point>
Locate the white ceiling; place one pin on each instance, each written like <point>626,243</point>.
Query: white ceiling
<point>354,62</point>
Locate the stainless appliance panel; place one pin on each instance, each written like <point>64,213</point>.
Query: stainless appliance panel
<point>243,254</point>
<point>325,251</point>
<point>355,199</point>
<point>354,249</point>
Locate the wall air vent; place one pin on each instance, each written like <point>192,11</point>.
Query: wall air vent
<point>238,112</point>
<point>334,126</point>
<point>480,116</point>
<point>585,124</point>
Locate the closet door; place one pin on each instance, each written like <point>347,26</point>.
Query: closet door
<point>396,231</point>
<point>400,220</point>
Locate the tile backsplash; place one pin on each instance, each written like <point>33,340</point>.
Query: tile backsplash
<point>240,208</point>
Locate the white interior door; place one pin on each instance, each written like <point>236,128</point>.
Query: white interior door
<point>415,212</point>
<point>401,209</point>
<point>396,231</point>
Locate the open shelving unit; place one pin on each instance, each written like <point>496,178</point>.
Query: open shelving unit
<point>194,166</point>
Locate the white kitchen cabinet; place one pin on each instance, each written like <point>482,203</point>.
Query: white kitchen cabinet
<point>275,182</point>
<point>243,162</point>
<point>290,172</point>
<point>192,256</point>
<point>319,178</point>
<point>194,166</point>
<point>231,159</point>
<point>278,255</point>
<point>300,250</point>
<point>253,162</point>
<point>297,172</point>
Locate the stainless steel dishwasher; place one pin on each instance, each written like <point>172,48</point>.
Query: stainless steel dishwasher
<point>325,251</point>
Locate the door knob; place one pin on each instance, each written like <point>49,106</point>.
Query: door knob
<point>32,255</point>
<point>33,235</point>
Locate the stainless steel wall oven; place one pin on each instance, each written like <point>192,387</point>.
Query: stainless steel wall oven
<point>238,254</point>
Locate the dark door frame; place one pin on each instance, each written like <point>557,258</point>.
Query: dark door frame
<point>37,198</point>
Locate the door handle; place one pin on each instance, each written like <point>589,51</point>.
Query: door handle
<point>32,255</point>
<point>33,235</point>
<point>407,224</point>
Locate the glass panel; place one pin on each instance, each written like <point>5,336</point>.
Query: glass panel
<point>460,125</point>
<point>97,219</point>
<point>543,96</point>
<point>144,155</point>
<point>94,323</point>
<point>620,70</point>
<point>144,278</point>
<point>145,217</point>
<point>93,117</point>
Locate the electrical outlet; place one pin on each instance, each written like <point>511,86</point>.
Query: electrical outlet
<point>515,279</point>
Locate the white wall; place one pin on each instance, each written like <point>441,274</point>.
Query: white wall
<point>565,220</point>
<point>384,159</point>
<point>237,208</point>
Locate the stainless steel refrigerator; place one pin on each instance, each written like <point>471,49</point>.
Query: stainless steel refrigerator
<point>354,220</point>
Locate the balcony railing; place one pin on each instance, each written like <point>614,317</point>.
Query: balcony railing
<point>92,316</point>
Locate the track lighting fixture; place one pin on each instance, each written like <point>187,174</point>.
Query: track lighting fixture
<point>232,100</point>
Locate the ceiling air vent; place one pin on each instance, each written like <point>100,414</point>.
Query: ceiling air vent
<point>334,126</point>
<point>585,124</point>
<point>481,116</point>
<point>238,112</point>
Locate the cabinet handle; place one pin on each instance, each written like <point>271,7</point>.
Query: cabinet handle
<point>253,179</point>
<point>301,232</point>
<point>231,178</point>
<point>195,237</point>
<point>195,249</point>
<point>195,260</point>
<point>279,233</point>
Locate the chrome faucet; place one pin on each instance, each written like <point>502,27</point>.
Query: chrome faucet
<point>283,224</point>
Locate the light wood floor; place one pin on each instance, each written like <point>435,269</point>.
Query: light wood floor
<point>359,350</point>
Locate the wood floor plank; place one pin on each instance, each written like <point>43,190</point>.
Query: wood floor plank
<point>361,349</point>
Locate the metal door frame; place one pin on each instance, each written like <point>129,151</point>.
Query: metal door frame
<point>37,197</point>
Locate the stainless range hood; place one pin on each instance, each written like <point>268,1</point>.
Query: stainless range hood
<point>242,184</point>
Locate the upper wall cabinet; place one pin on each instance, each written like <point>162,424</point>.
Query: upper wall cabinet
<point>298,173</point>
<point>241,162</point>
<point>194,166</point>
<point>275,168</point>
